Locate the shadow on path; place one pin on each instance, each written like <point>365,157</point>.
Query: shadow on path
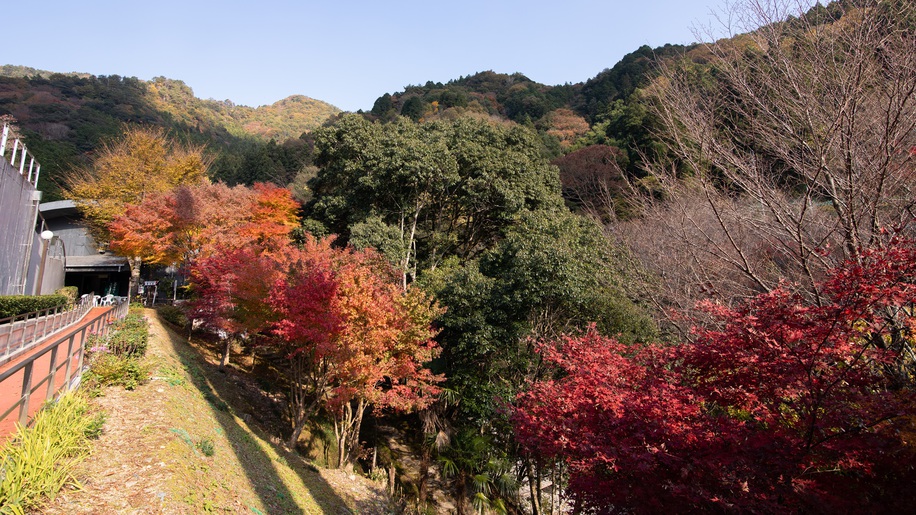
<point>259,467</point>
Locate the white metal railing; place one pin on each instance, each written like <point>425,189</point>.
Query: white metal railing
<point>22,332</point>
<point>19,151</point>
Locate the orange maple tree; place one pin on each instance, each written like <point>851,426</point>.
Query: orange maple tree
<point>191,222</point>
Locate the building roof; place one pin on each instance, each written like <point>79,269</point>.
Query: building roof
<point>57,208</point>
<point>99,263</point>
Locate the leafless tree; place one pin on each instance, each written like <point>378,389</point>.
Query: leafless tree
<point>796,135</point>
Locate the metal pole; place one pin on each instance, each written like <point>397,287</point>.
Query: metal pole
<point>52,372</point>
<point>6,133</point>
<point>26,393</point>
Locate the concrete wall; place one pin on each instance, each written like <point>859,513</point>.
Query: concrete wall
<point>52,278</point>
<point>18,214</point>
<point>64,220</point>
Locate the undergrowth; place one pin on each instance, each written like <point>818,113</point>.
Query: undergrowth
<point>173,315</point>
<point>117,359</point>
<point>40,459</point>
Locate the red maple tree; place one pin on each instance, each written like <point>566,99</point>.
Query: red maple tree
<point>790,404</point>
<point>353,338</point>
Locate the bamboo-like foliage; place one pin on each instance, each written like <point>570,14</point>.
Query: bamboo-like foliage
<point>40,459</point>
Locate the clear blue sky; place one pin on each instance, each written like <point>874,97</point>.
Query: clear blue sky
<point>345,52</point>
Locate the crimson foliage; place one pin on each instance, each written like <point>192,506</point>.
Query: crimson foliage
<point>790,404</point>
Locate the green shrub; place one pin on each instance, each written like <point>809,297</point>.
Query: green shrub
<point>71,292</point>
<point>12,305</point>
<point>206,447</point>
<point>173,315</point>
<point>106,369</point>
<point>116,359</point>
<point>129,337</point>
<point>40,459</point>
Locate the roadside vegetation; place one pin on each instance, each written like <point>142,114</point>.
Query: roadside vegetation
<point>43,458</point>
<point>196,438</point>
<point>118,359</point>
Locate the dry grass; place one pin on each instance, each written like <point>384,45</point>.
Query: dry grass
<point>153,454</point>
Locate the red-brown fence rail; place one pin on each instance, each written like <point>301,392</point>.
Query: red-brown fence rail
<point>61,363</point>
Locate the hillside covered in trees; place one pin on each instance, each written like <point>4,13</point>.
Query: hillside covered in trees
<point>686,284</point>
<point>66,117</point>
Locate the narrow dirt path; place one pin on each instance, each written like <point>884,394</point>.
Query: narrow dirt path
<point>155,457</point>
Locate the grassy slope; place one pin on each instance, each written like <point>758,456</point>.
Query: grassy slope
<point>150,458</point>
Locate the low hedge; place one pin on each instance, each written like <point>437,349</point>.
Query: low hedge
<point>117,359</point>
<point>12,305</point>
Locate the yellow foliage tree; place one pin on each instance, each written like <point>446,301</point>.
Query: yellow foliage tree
<point>143,160</point>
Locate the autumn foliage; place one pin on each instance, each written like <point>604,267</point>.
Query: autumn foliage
<point>351,336</point>
<point>788,405</point>
<point>355,338</point>
<point>195,221</point>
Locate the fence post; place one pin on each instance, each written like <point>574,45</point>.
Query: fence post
<point>81,349</point>
<point>52,372</point>
<point>9,337</point>
<point>6,133</point>
<point>26,394</point>
<point>44,323</point>
<point>69,361</point>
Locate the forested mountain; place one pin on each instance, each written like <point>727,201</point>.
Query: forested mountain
<point>65,117</point>
<point>522,100</point>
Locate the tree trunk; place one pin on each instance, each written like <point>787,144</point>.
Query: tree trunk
<point>134,286</point>
<point>297,431</point>
<point>424,477</point>
<point>303,401</point>
<point>346,429</point>
<point>226,350</point>
<point>534,487</point>
<point>463,504</point>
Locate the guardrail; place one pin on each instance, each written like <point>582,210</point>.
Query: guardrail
<point>75,342</point>
<point>23,155</point>
<point>21,332</point>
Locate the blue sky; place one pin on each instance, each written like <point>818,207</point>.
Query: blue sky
<point>345,52</point>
